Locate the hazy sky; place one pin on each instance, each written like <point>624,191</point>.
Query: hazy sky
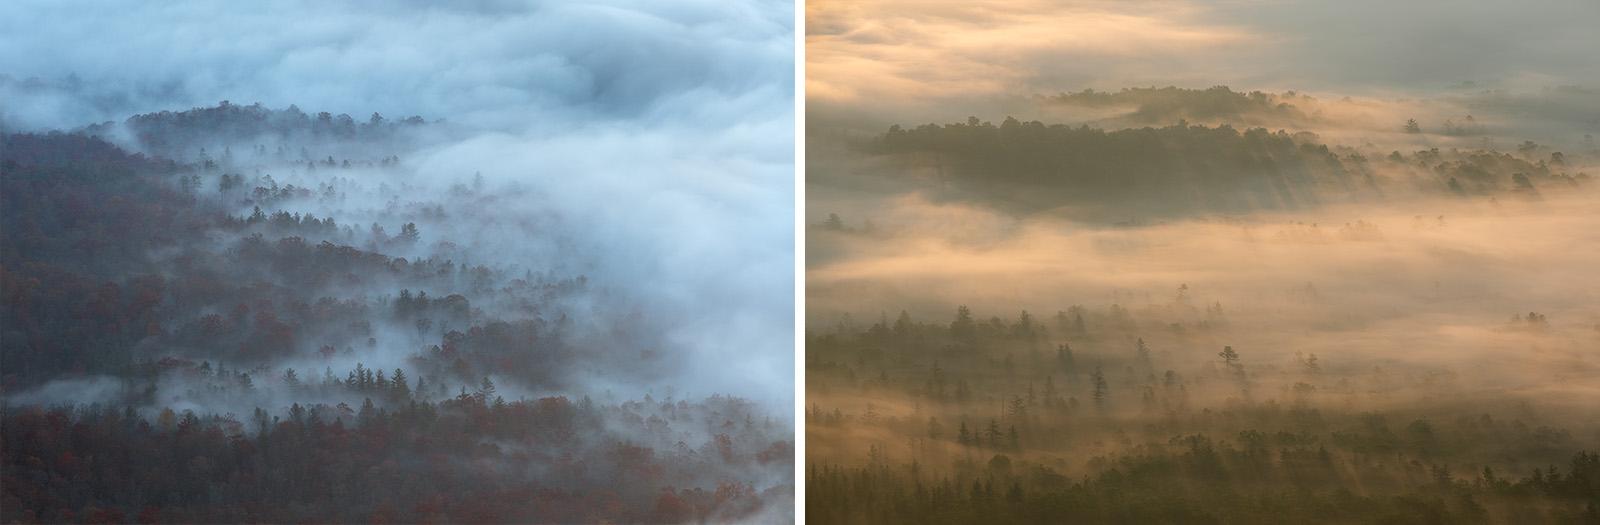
<point>661,132</point>
<point>887,55</point>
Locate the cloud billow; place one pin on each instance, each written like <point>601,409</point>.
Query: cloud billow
<point>508,66</point>
<point>660,134</point>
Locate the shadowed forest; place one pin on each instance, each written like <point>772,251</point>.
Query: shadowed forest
<point>1186,306</point>
<point>270,316</point>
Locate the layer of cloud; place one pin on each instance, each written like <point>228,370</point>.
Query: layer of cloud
<point>1415,288</point>
<point>896,60</point>
<point>505,65</point>
<point>657,136</point>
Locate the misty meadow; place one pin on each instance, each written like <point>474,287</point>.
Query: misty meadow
<point>559,293</point>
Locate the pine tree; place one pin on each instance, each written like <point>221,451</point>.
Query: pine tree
<point>1230,358</point>
<point>902,324</point>
<point>400,389</point>
<point>408,233</point>
<point>963,328</point>
<point>166,420</point>
<point>1064,357</point>
<point>368,412</point>
<point>1098,380</point>
<point>1018,407</point>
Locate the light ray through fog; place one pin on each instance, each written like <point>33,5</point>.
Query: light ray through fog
<point>1182,261</point>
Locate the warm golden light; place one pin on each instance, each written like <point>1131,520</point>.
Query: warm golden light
<point>1127,261</point>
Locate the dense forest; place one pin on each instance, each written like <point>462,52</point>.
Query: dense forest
<point>1206,306</point>
<point>1172,103</point>
<point>221,327</point>
<point>1059,419</point>
<point>1182,169</point>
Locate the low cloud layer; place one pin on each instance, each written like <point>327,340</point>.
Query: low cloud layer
<point>896,61</point>
<point>1424,287</point>
<point>656,140</point>
<point>513,66</point>
<point>1031,263</point>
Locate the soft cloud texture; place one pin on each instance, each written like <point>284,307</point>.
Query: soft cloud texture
<point>1425,287</point>
<point>512,66</point>
<point>660,135</point>
<point>896,61</point>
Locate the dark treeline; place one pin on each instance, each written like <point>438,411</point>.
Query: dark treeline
<point>450,461</point>
<point>80,216</point>
<point>1183,169</point>
<point>81,290</point>
<point>1169,104</point>
<point>1392,390</point>
<point>179,134</point>
<point>1075,418</point>
<point>1199,485</point>
<point>169,360</point>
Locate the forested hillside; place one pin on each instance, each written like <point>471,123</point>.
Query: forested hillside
<point>1179,170</point>
<point>1279,314</point>
<point>1060,420</point>
<point>266,316</point>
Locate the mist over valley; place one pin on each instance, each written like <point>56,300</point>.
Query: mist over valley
<point>1200,263</point>
<point>561,293</point>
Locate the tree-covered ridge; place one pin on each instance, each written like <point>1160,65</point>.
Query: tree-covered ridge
<point>471,457</point>
<point>26,150</point>
<point>79,217</point>
<point>1186,169</point>
<point>85,296</point>
<point>231,358</point>
<point>1076,418</point>
<point>1198,482</point>
<point>182,134</point>
<point>1219,103</point>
